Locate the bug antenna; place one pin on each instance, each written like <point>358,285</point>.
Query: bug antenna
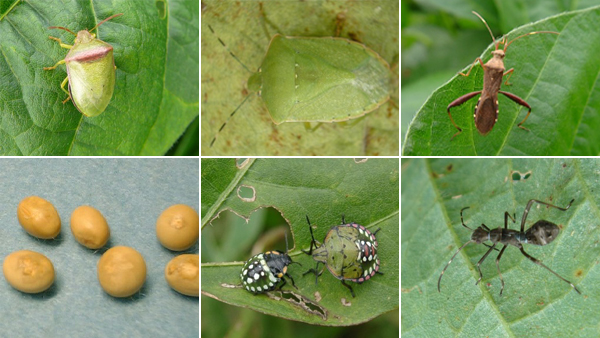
<point>486,25</point>
<point>450,261</point>
<point>227,120</point>
<point>63,28</point>
<point>103,21</point>
<point>524,35</point>
<point>227,48</point>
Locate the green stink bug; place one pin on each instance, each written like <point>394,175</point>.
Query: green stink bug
<point>302,79</point>
<point>349,251</point>
<point>90,71</point>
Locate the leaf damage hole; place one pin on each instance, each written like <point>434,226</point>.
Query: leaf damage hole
<point>230,286</point>
<point>517,176</point>
<point>246,193</point>
<point>300,301</point>
<point>345,302</point>
<point>360,160</point>
<point>240,163</point>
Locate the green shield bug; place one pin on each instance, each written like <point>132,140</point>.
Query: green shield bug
<point>318,79</point>
<point>90,70</point>
<point>349,251</point>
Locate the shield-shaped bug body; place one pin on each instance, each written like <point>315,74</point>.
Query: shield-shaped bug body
<point>90,71</point>
<point>318,79</point>
<point>349,251</point>
<point>301,78</point>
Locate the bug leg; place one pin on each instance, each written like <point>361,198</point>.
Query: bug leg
<point>293,284</point>
<point>458,102</point>
<point>473,65</point>
<point>309,127</point>
<point>376,231</point>
<point>509,73</point>
<point>530,203</point>
<point>63,45</point>
<point>56,65</point>
<point>346,285</point>
<point>498,267</point>
<point>522,102</point>
<point>506,216</point>
<point>282,284</point>
<point>349,288</point>
<point>62,86</point>
<point>538,262</point>
<point>311,236</point>
<point>315,271</point>
<point>481,261</point>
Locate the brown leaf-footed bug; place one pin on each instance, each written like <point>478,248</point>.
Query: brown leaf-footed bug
<point>486,109</point>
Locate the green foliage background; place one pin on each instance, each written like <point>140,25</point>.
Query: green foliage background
<point>535,303</point>
<point>323,189</point>
<point>156,92</point>
<point>246,27</point>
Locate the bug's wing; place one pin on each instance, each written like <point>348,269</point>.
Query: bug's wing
<point>486,113</point>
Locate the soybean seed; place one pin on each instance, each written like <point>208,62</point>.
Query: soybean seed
<point>177,228</point>
<point>28,271</point>
<point>38,217</point>
<point>89,227</point>
<point>182,273</point>
<point>121,271</point>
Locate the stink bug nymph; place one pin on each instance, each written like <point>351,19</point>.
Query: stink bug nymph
<point>349,251</point>
<point>90,71</point>
<point>264,272</point>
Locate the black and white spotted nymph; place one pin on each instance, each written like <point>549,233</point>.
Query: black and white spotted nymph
<point>265,271</point>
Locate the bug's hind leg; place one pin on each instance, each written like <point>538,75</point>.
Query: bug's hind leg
<point>498,267</point>
<point>538,262</point>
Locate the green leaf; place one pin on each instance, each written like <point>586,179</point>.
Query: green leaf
<point>434,192</point>
<point>156,92</point>
<point>366,192</point>
<point>556,75</point>
<point>246,28</point>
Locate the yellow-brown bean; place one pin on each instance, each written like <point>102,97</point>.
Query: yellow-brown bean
<point>28,271</point>
<point>177,228</point>
<point>89,227</point>
<point>121,271</point>
<point>38,217</point>
<point>183,274</point>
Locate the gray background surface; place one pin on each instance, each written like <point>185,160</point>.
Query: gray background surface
<point>131,194</point>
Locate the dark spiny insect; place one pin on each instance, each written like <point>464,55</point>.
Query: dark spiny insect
<point>349,251</point>
<point>540,233</point>
<point>486,110</point>
<point>265,271</point>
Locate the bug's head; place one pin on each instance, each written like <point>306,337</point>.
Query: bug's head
<point>84,36</point>
<point>542,233</point>
<point>498,54</point>
<point>480,235</point>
